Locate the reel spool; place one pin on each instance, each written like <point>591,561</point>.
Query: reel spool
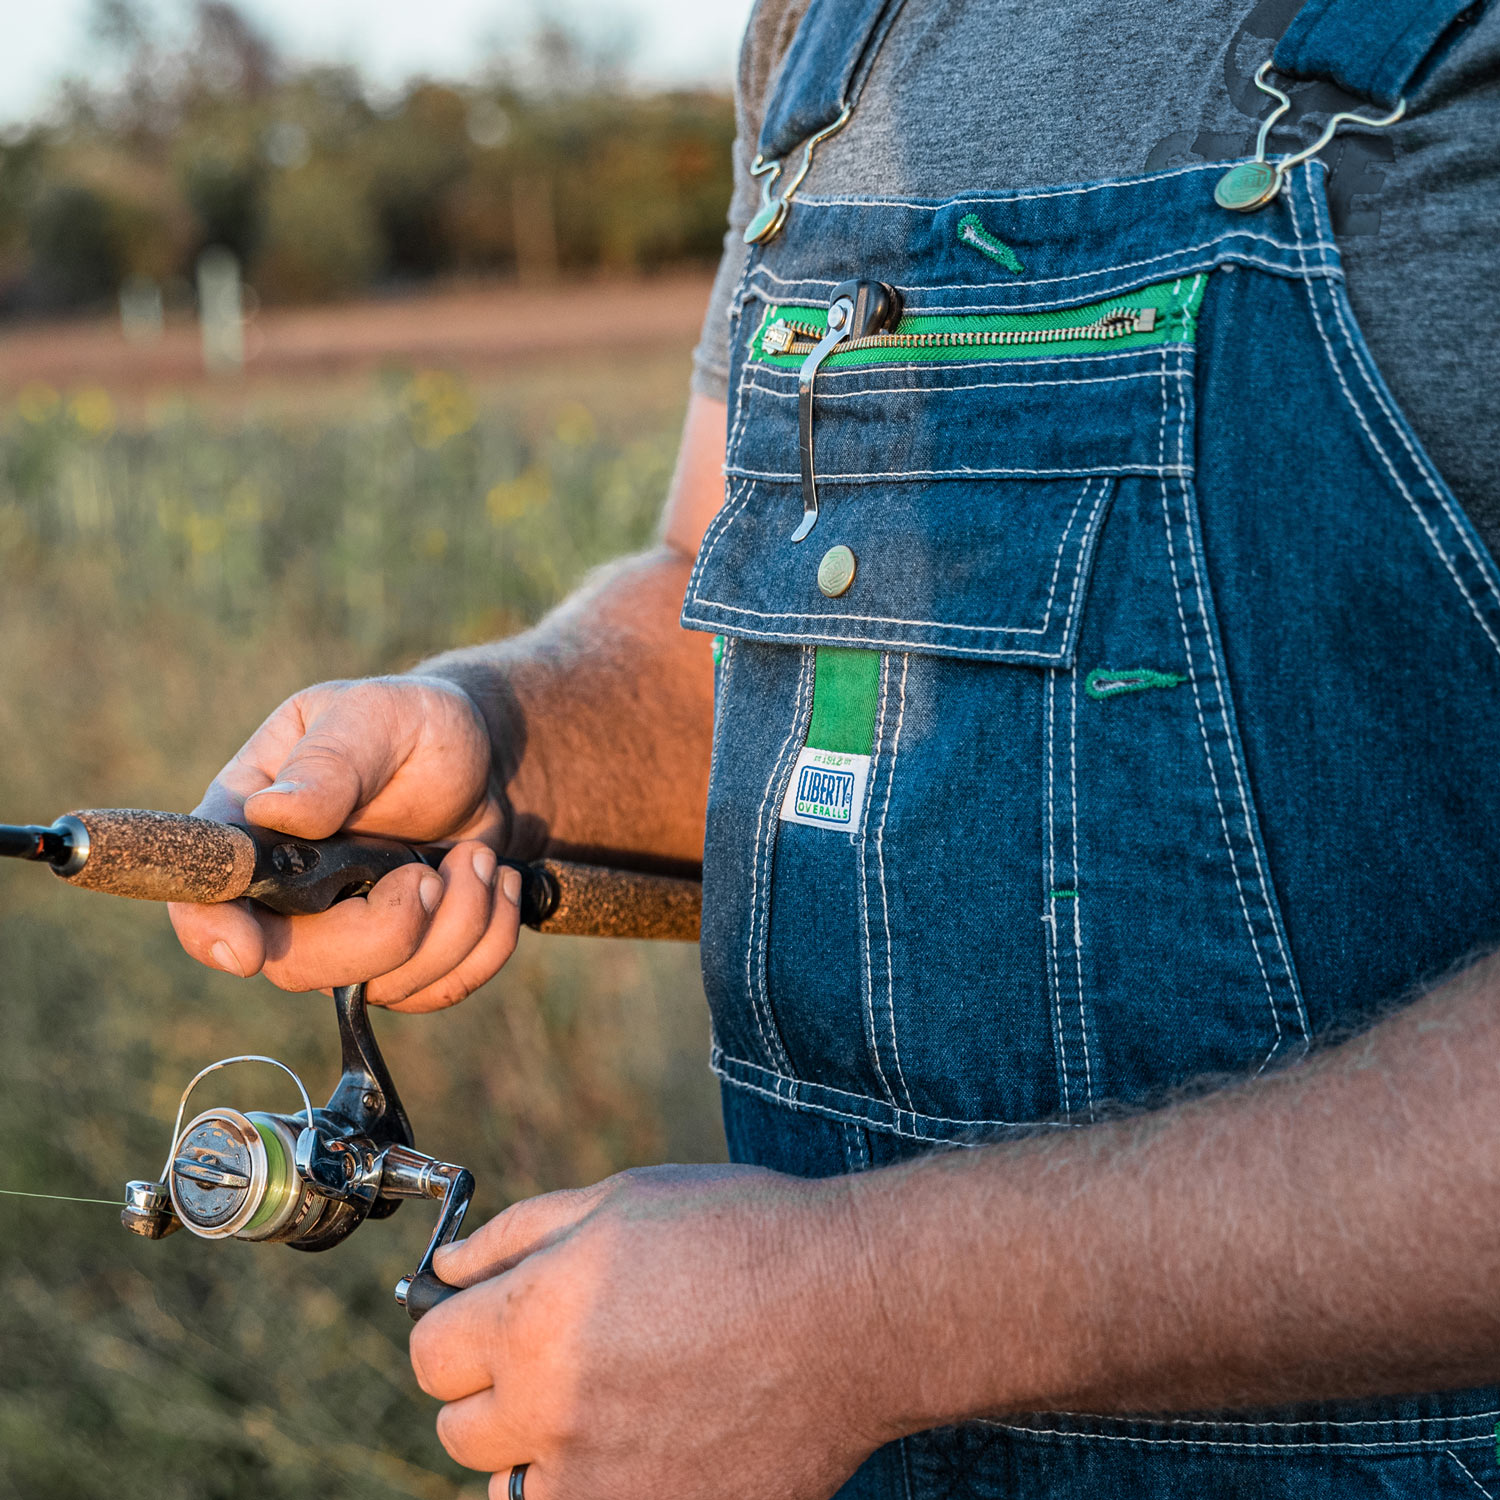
<point>305,1181</point>
<point>232,1176</point>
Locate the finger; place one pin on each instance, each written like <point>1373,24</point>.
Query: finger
<point>468,872</point>
<point>226,935</point>
<point>451,1347</point>
<point>393,755</point>
<point>350,747</point>
<point>497,941</point>
<point>535,1481</point>
<point>355,940</point>
<point>479,1432</point>
<point>516,1232</point>
<point>255,764</point>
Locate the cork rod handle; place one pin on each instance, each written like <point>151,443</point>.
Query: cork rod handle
<point>159,856</point>
<point>593,901</point>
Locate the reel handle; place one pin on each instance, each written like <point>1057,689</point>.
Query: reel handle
<point>422,1292</point>
<point>409,1174</point>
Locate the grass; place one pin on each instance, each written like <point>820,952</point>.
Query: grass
<point>166,582</point>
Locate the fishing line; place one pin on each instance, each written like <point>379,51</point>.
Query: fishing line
<point>59,1198</point>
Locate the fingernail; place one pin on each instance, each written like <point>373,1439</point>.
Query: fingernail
<point>430,891</point>
<point>278,787</point>
<point>485,865</point>
<point>223,955</point>
<point>510,885</point>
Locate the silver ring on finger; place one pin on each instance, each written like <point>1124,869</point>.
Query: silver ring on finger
<point>517,1487</point>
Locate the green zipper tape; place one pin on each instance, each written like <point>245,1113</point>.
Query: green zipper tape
<point>1176,302</point>
<point>846,689</point>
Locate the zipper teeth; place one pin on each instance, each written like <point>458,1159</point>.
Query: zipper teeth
<point>1113,325</point>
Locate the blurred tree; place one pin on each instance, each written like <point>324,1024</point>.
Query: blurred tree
<point>21,169</point>
<point>321,238</point>
<point>415,157</point>
<point>75,247</point>
<point>230,57</point>
<point>551,164</point>
<point>224,189</point>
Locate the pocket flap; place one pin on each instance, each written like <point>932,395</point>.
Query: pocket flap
<point>983,568</point>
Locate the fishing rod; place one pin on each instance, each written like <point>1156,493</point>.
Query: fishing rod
<point>309,1179</point>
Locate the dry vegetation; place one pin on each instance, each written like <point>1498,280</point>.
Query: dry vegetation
<point>165,581</point>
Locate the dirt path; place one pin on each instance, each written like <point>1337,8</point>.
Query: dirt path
<point>483,332</point>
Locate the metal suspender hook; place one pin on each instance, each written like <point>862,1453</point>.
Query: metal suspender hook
<point>774,206</point>
<point>1253,184</point>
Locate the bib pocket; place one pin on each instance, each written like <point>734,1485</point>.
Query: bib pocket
<point>968,477</point>
<point>971,926</point>
<point>924,558</point>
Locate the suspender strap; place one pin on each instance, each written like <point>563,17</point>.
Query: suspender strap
<point>825,68</point>
<point>1374,48</point>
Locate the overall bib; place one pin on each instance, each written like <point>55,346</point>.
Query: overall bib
<point>1129,714</point>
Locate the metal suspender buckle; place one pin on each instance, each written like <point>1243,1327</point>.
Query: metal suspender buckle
<point>774,206</point>
<point>1253,184</point>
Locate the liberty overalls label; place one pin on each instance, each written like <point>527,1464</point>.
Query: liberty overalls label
<point>827,789</point>
<point>1151,740</point>
<point>827,786</point>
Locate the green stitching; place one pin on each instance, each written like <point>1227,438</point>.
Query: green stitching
<point>1062,895</point>
<point>971,232</point>
<point>1104,682</point>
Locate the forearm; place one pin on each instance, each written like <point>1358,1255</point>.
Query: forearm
<point>1332,1231</point>
<point>601,717</point>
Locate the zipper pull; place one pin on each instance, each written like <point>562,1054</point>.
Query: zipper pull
<point>778,338</point>
<point>857,309</point>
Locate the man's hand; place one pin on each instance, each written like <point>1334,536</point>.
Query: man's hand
<point>684,1332</point>
<point>720,1334</point>
<point>406,757</point>
<point>590,715</point>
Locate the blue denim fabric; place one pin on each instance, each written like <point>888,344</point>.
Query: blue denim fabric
<point>1377,49</point>
<point>1057,902</point>
<point>825,67</point>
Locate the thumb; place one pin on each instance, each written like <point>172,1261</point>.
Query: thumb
<point>346,756</point>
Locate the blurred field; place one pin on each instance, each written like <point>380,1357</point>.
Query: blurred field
<point>173,563</point>
<point>487,331</point>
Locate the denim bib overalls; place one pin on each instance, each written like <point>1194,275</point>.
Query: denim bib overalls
<point>1130,713</point>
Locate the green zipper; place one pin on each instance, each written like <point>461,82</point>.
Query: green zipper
<point>1165,313</point>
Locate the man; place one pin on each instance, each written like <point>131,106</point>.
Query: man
<point>1103,706</point>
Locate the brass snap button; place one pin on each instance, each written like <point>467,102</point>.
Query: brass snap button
<point>836,571</point>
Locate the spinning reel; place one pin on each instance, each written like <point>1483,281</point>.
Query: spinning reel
<point>306,1180</point>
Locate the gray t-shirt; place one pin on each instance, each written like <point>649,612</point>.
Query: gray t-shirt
<point>999,94</point>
